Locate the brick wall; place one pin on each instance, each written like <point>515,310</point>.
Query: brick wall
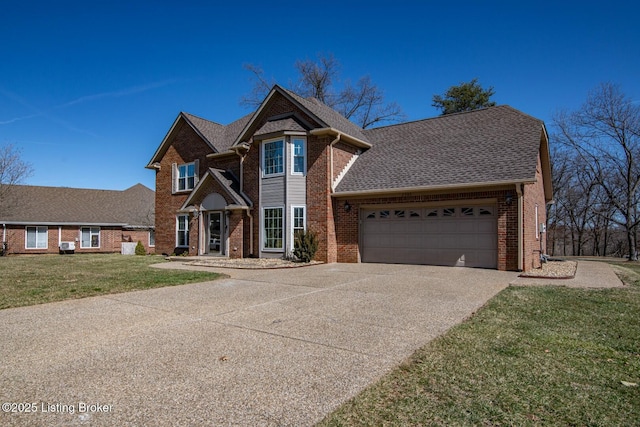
<point>186,146</point>
<point>347,222</point>
<point>320,209</point>
<point>342,154</point>
<point>111,239</point>
<point>535,244</point>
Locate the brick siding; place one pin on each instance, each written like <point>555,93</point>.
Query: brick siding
<point>534,243</point>
<point>111,239</point>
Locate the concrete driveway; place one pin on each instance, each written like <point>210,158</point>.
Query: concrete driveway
<point>265,347</point>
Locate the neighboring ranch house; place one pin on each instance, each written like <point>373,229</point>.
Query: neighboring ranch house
<point>38,220</point>
<point>467,189</point>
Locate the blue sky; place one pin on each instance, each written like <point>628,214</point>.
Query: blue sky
<point>88,89</point>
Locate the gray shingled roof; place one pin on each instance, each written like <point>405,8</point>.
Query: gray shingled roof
<point>132,207</point>
<point>497,144</point>
<point>288,124</point>
<point>330,116</point>
<point>219,136</point>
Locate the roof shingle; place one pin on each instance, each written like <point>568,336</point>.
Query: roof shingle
<point>492,145</point>
<point>133,207</point>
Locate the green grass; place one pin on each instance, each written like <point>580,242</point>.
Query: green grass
<point>36,279</point>
<point>532,356</point>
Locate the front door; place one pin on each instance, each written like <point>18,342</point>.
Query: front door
<point>215,233</point>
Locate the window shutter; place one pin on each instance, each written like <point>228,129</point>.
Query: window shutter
<point>196,167</point>
<point>174,177</point>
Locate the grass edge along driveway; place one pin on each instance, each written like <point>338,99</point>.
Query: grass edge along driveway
<point>532,356</point>
<point>38,279</point>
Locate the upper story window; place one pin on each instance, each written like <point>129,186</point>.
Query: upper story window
<point>273,157</point>
<point>298,154</point>
<point>186,176</point>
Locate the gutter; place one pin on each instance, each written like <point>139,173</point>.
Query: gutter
<point>343,136</point>
<point>470,185</point>
<point>236,149</point>
<point>334,142</point>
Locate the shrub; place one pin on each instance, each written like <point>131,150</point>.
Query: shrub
<point>305,245</point>
<point>140,249</point>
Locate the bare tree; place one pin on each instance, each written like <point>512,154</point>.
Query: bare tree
<point>363,102</point>
<point>605,134</point>
<point>13,170</point>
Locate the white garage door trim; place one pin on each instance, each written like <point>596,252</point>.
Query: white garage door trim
<point>454,235</point>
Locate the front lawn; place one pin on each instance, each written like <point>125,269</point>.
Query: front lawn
<point>532,356</point>
<point>37,279</point>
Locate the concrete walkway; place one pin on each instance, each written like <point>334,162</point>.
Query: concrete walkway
<point>589,274</point>
<point>265,347</point>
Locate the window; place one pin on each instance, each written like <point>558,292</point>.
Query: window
<point>273,157</point>
<point>152,237</point>
<point>186,177</point>
<point>399,214</point>
<point>432,213</point>
<point>36,238</point>
<point>90,237</point>
<point>485,212</point>
<point>273,223</point>
<point>298,156</point>
<point>371,215</point>
<point>384,214</point>
<point>448,211</point>
<point>537,226</point>
<point>182,239</point>
<point>298,219</point>
<point>467,211</point>
<point>416,214</point>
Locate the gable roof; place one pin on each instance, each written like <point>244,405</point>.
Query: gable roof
<point>330,120</point>
<point>218,137</point>
<point>227,181</point>
<point>38,205</point>
<point>491,146</point>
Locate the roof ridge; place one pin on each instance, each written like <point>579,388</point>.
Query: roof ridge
<point>201,118</point>
<point>442,116</point>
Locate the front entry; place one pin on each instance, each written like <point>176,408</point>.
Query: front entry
<point>215,239</point>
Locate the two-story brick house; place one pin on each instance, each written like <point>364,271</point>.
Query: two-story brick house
<point>467,189</point>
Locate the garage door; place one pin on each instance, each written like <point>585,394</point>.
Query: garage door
<point>456,236</point>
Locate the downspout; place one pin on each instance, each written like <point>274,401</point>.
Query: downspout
<point>520,225</point>
<point>334,142</point>
<point>242,157</point>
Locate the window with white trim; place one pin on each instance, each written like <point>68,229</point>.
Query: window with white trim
<point>299,219</point>
<point>90,237</point>
<point>152,237</point>
<point>537,224</point>
<point>182,231</point>
<point>273,223</point>
<point>273,157</point>
<point>298,156</point>
<point>36,238</point>
<point>186,177</point>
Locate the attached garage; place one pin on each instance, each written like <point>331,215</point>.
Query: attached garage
<point>462,235</point>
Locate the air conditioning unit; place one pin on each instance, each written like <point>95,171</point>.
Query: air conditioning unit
<point>67,247</point>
